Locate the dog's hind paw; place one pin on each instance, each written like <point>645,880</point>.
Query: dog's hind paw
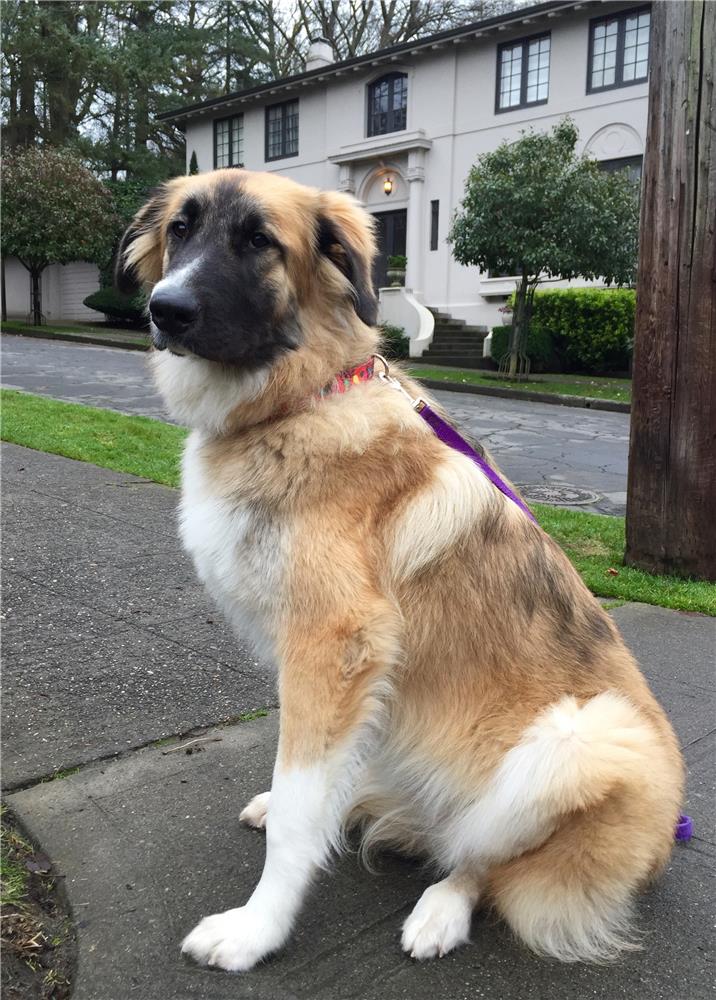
<point>440,921</point>
<point>234,940</point>
<point>255,812</point>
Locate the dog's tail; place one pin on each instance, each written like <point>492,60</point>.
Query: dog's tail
<point>613,782</point>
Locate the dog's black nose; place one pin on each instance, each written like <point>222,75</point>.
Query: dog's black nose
<point>173,311</point>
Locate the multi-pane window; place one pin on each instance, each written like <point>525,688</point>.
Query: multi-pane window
<point>619,50</point>
<point>229,142</point>
<point>388,104</point>
<point>632,164</point>
<point>523,73</point>
<point>282,130</point>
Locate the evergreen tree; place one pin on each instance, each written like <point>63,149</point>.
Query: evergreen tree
<point>54,212</point>
<point>534,209</point>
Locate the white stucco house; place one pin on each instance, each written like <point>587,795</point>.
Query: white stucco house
<point>400,127</point>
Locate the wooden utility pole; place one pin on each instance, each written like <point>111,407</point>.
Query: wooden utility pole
<point>671,500</point>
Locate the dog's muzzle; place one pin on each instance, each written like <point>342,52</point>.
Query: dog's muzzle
<point>174,312</point>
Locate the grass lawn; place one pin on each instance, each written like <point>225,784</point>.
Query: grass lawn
<point>150,449</point>
<point>143,447</point>
<point>618,389</point>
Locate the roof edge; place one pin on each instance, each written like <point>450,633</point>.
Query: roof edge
<point>429,41</point>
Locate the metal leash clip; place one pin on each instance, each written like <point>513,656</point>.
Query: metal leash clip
<point>416,402</point>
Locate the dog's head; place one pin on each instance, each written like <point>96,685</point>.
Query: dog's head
<point>237,261</point>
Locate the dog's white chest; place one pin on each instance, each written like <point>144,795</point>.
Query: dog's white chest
<point>236,550</point>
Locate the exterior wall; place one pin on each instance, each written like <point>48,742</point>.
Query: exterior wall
<point>64,286</point>
<point>451,105</point>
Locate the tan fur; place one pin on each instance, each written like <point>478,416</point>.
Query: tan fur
<point>410,588</point>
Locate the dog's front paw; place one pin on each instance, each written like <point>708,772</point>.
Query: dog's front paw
<point>255,812</point>
<point>439,922</point>
<point>234,940</point>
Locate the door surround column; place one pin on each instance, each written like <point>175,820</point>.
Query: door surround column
<point>415,176</point>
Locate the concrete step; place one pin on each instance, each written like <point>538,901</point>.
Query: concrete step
<point>462,340</point>
<point>467,343</point>
<point>466,347</point>
<point>450,324</point>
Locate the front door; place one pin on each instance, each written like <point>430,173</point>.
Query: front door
<point>390,232</point>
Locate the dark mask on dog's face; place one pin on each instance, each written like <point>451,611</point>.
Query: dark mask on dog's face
<point>223,291</point>
<point>218,295</point>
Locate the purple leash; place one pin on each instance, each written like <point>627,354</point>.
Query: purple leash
<point>684,828</point>
<point>448,435</point>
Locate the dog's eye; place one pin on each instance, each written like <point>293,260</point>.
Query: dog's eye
<point>259,240</point>
<point>180,229</point>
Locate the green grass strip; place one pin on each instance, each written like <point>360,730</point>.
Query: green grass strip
<point>139,445</point>
<point>151,449</point>
<point>618,389</point>
<point>595,545</point>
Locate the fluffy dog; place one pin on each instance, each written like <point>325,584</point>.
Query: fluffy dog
<point>445,678</point>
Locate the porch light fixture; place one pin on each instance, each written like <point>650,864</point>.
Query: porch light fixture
<point>388,185</point>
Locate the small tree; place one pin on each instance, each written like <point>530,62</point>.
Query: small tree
<point>534,209</point>
<point>54,212</point>
<point>193,164</point>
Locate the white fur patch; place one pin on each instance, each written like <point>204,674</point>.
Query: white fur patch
<point>439,922</point>
<point>254,814</point>
<point>180,278</point>
<point>297,839</point>
<point>567,759</point>
<point>201,394</point>
<point>447,509</point>
<point>239,553</point>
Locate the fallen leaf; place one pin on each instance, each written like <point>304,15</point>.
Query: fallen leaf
<point>612,572</point>
<point>38,863</point>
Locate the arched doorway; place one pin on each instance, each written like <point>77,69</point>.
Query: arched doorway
<point>390,213</point>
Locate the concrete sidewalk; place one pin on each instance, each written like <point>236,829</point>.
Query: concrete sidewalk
<point>108,640</point>
<point>110,645</point>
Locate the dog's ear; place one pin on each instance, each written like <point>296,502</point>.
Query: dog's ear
<point>140,253</point>
<point>345,237</point>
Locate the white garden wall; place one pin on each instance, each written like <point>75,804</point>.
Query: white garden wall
<point>64,286</point>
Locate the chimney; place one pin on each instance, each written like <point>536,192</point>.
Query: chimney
<point>320,53</point>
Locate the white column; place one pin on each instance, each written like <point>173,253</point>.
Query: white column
<point>415,238</point>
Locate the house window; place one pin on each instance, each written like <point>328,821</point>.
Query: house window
<point>229,142</point>
<point>282,130</point>
<point>523,73</point>
<point>618,50</point>
<point>434,219</point>
<point>632,164</point>
<point>388,104</point>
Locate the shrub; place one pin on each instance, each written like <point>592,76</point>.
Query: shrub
<point>577,329</point>
<point>126,309</point>
<point>397,262</point>
<point>592,328</point>
<point>393,341</point>
<point>541,348</point>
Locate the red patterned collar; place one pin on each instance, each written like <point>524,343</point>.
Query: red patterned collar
<point>351,376</point>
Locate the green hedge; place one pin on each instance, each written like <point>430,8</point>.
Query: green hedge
<point>540,348</point>
<point>578,329</point>
<point>393,341</point>
<point>129,309</point>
